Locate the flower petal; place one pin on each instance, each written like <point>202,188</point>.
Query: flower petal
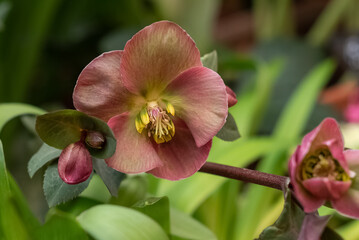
<point>181,157</point>
<point>200,99</point>
<point>352,158</point>
<point>99,90</point>
<point>309,202</point>
<point>134,151</point>
<point>75,163</point>
<point>325,188</point>
<point>326,134</point>
<point>156,55</point>
<point>348,204</point>
<point>232,98</point>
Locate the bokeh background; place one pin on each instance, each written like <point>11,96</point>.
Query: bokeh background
<point>266,50</point>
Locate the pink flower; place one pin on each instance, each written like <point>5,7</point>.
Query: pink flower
<point>319,171</point>
<point>163,106</point>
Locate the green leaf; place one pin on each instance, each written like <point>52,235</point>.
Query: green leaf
<point>61,128</point>
<point>229,131</point>
<point>294,224</point>
<point>16,219</point>
<point>223,206</point>
<point>32,20</point>
<point>109,222</point>
<point>61,226</point>
<point>44,155</point>
<point>210,60</point>
<point>184,226</point>
<point>132,189</point>
<point>78,205</point>
<point>297,111</point>
<point>9,111</point>
<point>157,208</point>
<point>188,194</point>
<point>97,190</point>
<point>56,191</point>
<point>109,176</point>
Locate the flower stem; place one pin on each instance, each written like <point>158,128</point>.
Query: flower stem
<point>246,175</point>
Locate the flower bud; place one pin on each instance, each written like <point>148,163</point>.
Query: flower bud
<point>95,139</point>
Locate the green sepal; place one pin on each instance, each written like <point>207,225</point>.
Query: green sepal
<point>229,131</point>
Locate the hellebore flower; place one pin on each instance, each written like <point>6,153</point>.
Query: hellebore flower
<point>320,171</point>
<point>163,106</point>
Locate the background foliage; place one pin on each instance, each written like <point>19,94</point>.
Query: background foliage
<point>278,56</point>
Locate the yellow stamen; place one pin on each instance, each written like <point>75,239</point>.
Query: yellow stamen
<point>139,125</point>
<point>170,109</point>
<point>322,164</point>
<point>144,116</point>
<point>156,122</point>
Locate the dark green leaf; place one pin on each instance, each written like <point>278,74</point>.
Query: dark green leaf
<point>210,60</point>
<point>110,222</point>
<point>61,128</point>
<point>56,191</point>
<point>132,190</point>
<point>158,209</point>
<point>330,234</point>
<point>287,226</point>
<point>9,111</point>
<point>61,226</point>
<point>44,155</point>
<point>294,223</point>
<point>229,131</point>
<point>109,176</point>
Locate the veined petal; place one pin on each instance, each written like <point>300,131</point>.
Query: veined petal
<point>181,157</point>
<point>309,202</point>
<point>75,163</point>
<point>200,99</point>
<point>99,90</point>
<point>325,188</point>
<point>134,151</point>
<point>232,98</point>
<point>155,56</point>
<point>348,204</point>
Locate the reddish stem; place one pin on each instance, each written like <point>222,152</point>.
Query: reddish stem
<point>246,175</point>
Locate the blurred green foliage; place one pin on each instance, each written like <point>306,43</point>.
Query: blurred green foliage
<point>44,45</point>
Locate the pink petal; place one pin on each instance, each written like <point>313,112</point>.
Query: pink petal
<point>75,163</point>
<point>325,188</point>
<point>134,151</point>
<point>232,98</point>
<point>156,55</point>
<point>352,158</point>
<point>309,202</point>
<point>348,204</point>
<point>326,134</point>
<point>181,157</point>
<point>99,90</point>
<point>200,99</point>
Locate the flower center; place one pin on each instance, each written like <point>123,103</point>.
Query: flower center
<point>156,122</point>
<point>322,164</point>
